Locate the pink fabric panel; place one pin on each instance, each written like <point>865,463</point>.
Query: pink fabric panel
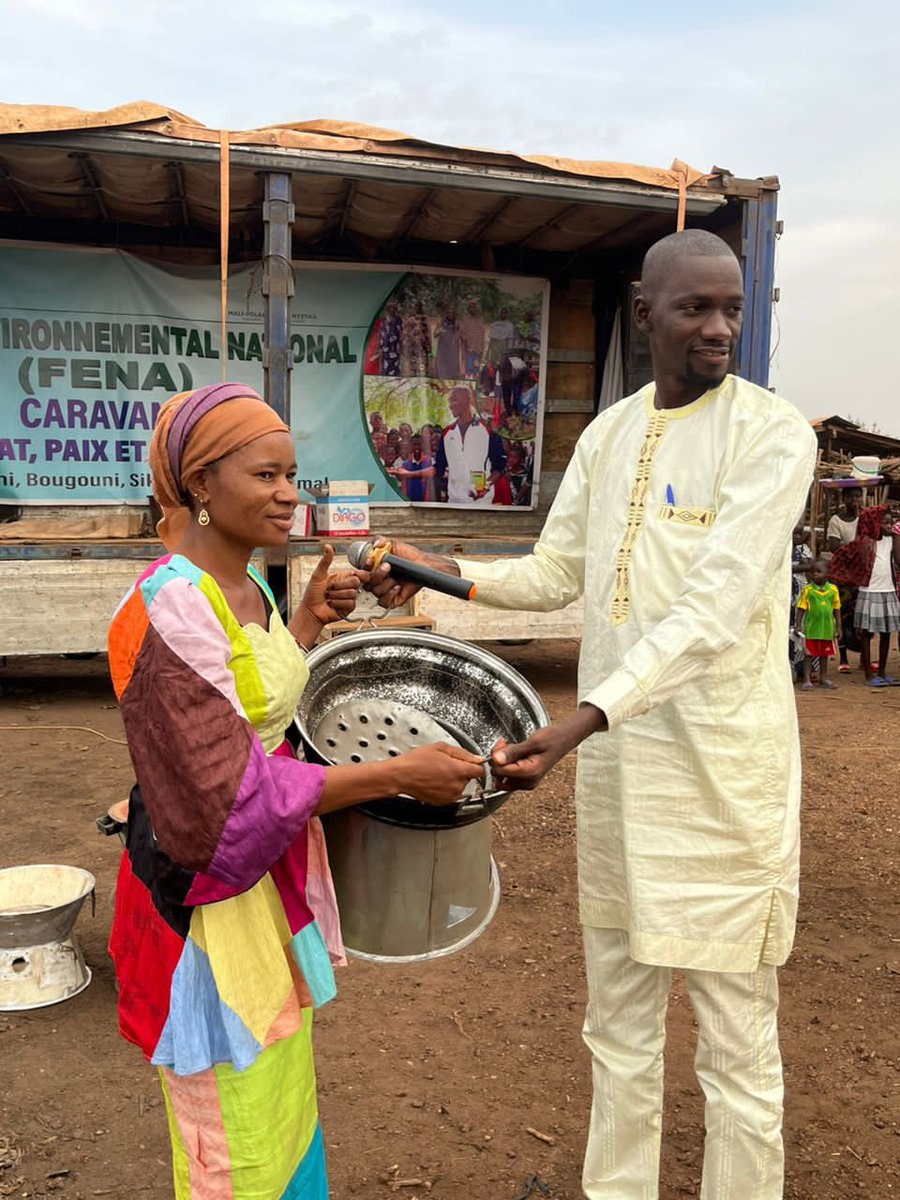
<point>320,894</point>
<point>184,619</point>
<point>289,875</point>
<point>198,1115</point>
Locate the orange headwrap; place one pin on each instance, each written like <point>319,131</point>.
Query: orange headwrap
<point>197,428</point>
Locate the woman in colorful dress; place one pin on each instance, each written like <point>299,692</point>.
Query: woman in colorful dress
<point>225,926</point>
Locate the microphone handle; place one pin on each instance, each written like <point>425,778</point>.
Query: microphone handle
<point>438,581</point>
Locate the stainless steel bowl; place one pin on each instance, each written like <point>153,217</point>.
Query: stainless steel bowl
<point>380,692</point>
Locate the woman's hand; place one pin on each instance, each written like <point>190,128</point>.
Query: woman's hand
<point>329,596</point>
<point>435,774</point>
<point>438,773</point>
<point>340,593</point>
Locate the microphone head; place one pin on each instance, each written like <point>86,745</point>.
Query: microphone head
<point>359,555</point>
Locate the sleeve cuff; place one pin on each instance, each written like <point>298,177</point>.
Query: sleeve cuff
<point>620,697</point>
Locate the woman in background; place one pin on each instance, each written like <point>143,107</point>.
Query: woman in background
<point>869,563</point>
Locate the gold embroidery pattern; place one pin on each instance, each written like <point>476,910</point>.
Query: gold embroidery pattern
<point>637,504</point>
<point>686,516</point>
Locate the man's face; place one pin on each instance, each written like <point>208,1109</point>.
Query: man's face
<point>693,320</point>
<point>472,308</point>
<point>853,499</point>
<point>459,405</point>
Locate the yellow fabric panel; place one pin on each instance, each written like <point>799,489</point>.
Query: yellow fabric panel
<point>242,662</point>
<point>245,939</point>
<point>282,672</point>
<point>270,1114</point>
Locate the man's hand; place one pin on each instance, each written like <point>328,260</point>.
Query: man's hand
<point>522,766</point>
<point>391,592</point>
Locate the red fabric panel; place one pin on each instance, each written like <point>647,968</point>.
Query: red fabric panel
<point>289,876</point>
<point>145,951</point>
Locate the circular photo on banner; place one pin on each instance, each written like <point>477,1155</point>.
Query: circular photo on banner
<point>450,388</point>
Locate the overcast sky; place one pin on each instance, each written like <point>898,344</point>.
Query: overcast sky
<point>806,91</point>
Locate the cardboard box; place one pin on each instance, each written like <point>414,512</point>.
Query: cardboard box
<point>342,508</point>
<point>302,523</point>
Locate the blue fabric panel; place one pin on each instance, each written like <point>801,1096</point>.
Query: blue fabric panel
<point>200,1030</point>
<point>311,956</point>
<point>310,1180</point>
<point>178,567</point>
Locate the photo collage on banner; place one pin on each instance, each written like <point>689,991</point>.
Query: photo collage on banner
<point>451,387</point>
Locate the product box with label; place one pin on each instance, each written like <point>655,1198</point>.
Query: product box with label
<point>342,508</point>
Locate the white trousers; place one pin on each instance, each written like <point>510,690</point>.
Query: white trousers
<point>737,1063</point>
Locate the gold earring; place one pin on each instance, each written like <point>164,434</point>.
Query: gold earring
<point>202,515</point>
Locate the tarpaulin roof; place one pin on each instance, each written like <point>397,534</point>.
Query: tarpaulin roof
<point>143,163</point>
<point>344,136</point>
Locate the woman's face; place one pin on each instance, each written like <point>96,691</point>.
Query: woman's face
<point>252,492</point>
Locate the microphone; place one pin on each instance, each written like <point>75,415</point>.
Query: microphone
<point>366,557</point>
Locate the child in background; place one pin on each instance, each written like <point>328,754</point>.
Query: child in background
<point>801,561</point>
<point>819,620</point>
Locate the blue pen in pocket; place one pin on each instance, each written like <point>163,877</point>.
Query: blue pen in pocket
<point>670,495</point>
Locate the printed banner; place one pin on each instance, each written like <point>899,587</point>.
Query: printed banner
<point>426,384</point>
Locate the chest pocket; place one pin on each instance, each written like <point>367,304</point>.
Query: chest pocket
<point>688,518</point>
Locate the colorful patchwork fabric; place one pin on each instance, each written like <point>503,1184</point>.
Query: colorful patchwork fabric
<point>216,949</point>
<point>249,1135</point>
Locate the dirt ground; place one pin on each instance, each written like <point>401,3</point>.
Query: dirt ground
<point>434,1078</point>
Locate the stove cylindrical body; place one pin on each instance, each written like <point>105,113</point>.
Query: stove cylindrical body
<point>407,894</point>
<point>412,881</point>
